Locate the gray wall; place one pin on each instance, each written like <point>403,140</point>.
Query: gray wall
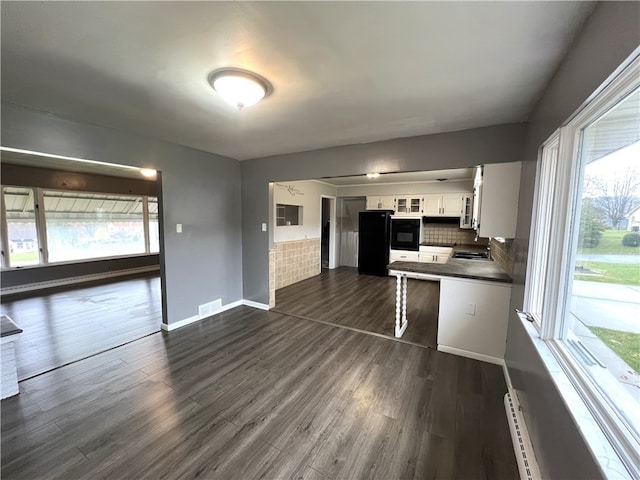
<point>430,152</point>
<point>25,276</point>
<point>609,36</point>
<point>198,189</point>
<point>27,176</point>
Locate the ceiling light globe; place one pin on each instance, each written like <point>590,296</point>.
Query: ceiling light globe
<point>239,90</point>
<point>148,172</point>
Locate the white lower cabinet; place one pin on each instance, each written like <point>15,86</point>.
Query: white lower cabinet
<point>473,318</point>
<point>403,256</point>
<point>434,254</point>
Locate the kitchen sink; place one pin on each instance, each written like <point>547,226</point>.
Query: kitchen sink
<point>472,255</point>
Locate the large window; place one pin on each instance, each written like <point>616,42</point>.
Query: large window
<point>22,241</point>
<point>76,226</point>
<point>583,283</point>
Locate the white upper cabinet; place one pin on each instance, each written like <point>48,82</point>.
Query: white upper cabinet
<point>432,205</point>
<point>449,205</point>
<point>410,205</point>
<point>381,203</point>
<point>466,218</point>
<point>498,200</point>
<point>452,205</point>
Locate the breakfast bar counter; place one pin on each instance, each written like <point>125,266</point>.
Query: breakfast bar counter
<point>455,267</point>
<point>478,284</point>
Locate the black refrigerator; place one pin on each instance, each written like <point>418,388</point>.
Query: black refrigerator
<point>373,242</point>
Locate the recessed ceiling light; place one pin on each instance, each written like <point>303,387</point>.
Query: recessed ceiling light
<point>148,172</point>
<point>373,175</point>
<point>239,88</point>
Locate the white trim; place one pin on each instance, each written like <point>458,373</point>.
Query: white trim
<point>167,327</point>
<point>145,224</point>
<point>602,423</point>
<point>251,303</point>
<point>333,261</point>
<point>63,157</point>
<point>4,235</point>
<point>78,279</point>
<point>41,225</point>
<point>507,377</point>
<point>473,355</point>
<point>595,439</point>
<point>196,318</point>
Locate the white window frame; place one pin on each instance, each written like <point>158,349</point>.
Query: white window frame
<point>552,248</point>
<point>41,229</point>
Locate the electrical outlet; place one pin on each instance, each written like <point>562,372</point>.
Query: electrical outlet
<point>471,309</point>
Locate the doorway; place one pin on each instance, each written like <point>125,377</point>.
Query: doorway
<point>325,235</point>
<point>328,232</point>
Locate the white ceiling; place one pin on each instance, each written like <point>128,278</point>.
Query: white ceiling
<point>342,72</point>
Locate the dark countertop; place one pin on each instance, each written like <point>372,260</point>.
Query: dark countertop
<point>7,327</point>
<point>457,267</point>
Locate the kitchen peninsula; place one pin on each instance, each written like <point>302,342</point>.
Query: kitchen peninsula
<point>473,307</point>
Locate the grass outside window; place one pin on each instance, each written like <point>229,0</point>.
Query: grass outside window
<point>611,244</point>
<point>625,344</point>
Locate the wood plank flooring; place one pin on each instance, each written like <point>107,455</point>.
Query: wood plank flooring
<point>68,325</point>
<point>254,394</point>
<point>343,297</point>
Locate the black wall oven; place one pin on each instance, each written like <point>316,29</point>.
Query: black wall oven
<point>406,233</point>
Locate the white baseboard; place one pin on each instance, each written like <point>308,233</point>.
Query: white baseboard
<point>250,303</point>
<point>79,279</point>
<point>507,377</point>
<point>473,355</point>
<point>196,318</point>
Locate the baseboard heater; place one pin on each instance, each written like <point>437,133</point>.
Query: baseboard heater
<point>522,447</point>
<point>78,279</point>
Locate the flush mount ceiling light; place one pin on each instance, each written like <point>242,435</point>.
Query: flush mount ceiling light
<point>238,87</point>
<point>373,175</point>
<point>148,172</point>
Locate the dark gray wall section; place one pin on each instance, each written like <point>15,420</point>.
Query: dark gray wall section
<point>608,37</point>
<point>27,275</point>
<point>199,190</point>
<point>26,176</point>
<point>430,152</point>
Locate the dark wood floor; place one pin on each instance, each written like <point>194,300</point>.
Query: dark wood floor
<point>69,325</point>
<point>254,394</point>
<point>366,302</point>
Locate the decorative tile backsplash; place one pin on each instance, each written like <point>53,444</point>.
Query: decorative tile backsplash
<point>449,234</point>
<point>295,261</point>
<point>504,254</point>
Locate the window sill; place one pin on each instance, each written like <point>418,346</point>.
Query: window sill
<point>595,439</point>
<point>74,262</point>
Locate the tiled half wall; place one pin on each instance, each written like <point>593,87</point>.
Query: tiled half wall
<point>296,260</point>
